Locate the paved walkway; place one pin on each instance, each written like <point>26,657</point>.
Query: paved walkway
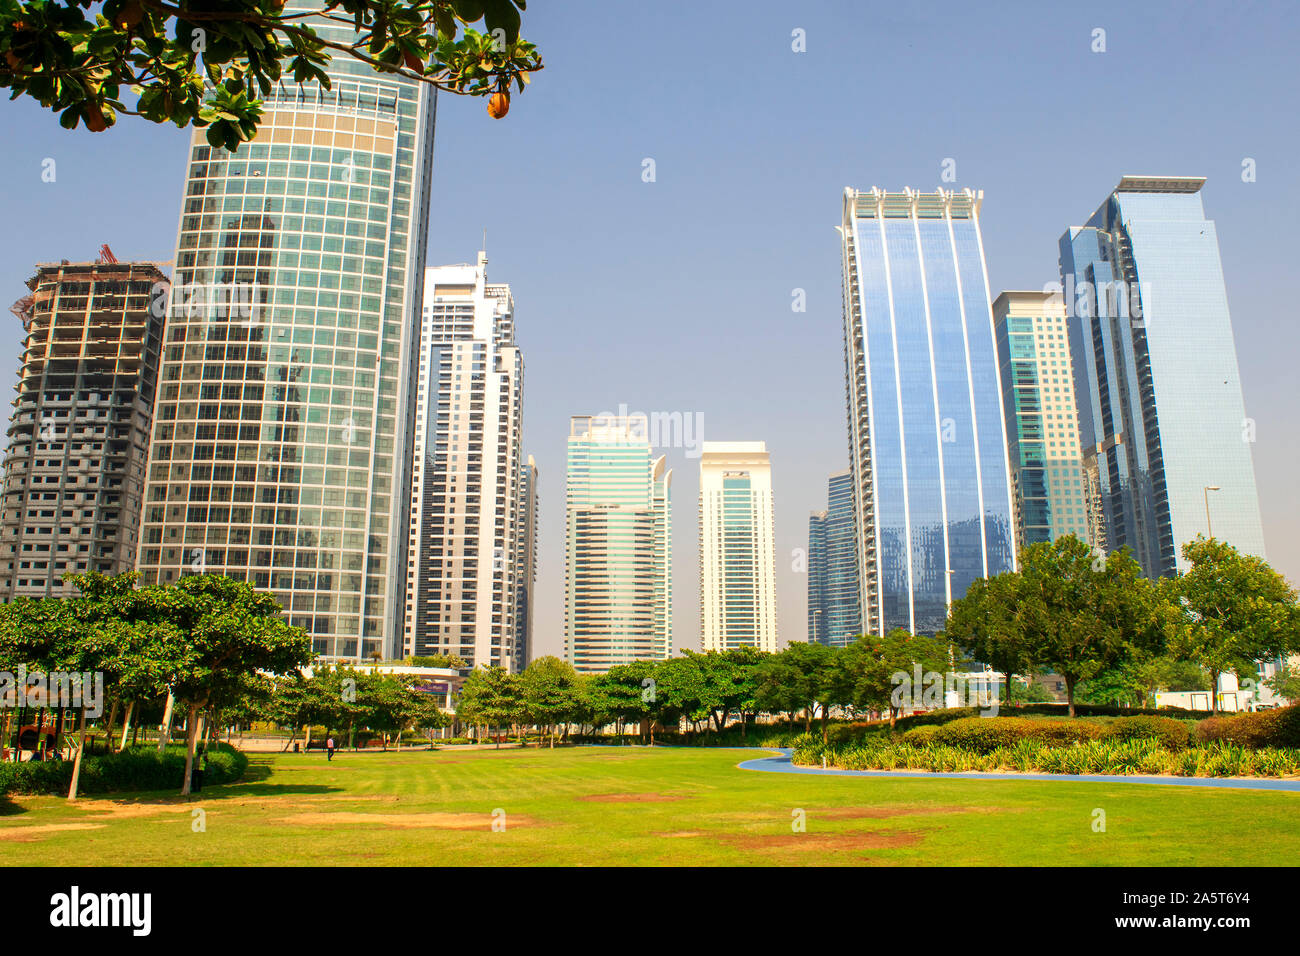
<point>778,761</point>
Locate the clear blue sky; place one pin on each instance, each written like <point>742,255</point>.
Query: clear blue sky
<point>675,295</point>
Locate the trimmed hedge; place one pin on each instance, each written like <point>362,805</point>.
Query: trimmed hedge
<point>1171,734</point>
<point>139,768</point>
<point>1265,728</point>
<point>984,735</point>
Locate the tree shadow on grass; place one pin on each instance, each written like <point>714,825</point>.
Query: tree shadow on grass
<point>8,808</point>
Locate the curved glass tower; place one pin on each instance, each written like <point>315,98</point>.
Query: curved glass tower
<point>1162,422</point>
<point>282,438</point>
<point>927,439</point>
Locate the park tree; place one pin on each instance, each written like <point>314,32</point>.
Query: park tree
<point>209,64</point>
<point>550,693</point>
<point>1229,612</point>
<point>491,695</point>
<point>1083,613</point>
<point>227,629</point>
<point>988,623</point>
<point>1285,683</point>
<point>148,650</point>
<point>792,680</point>
<point>681,687</point>
<point>873,667</point>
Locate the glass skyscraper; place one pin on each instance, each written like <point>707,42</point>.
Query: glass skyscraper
<point>927,439</point>
<point>1047,473</point>
<point>737,547</point>
<point>833,613</point>
<point>285,414</point>
<point>618,567</point>
<point>1162,423</point>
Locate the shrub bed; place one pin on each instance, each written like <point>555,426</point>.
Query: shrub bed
<point>1171,734</point>
<point>983,735</point>
<point>139,768</point>
<point>1265,728</point>
<point>1105,756</point>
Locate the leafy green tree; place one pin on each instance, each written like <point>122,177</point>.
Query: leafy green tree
<point>227,630</point>
<point>1082,614</point>
<point>622,694</point>
<point>988,624</point>
<point>1286,683</point>
<point>550,693</point>
<point>871,667</point>
<point>1229,612</point>
<point>208,64</point>
<point>795,679</point>
<point>681,687</point>
<point>492,696</point>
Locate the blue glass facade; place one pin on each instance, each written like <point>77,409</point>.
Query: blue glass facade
<point>1161,418</point>
<point>928,453</point>
<point>833,612</point>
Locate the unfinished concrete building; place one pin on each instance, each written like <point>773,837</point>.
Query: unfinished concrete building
<point>79,435</point>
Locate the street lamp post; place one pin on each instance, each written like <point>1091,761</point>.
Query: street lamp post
<point>1206,492</point>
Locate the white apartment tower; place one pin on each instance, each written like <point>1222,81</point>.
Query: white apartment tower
<point>465,522</point>
<point>737,547</point>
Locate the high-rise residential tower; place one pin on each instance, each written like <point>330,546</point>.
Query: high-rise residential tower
<point>79,434</point>
<point>526,564</point>
<point>832,567</point>
<point>285,414</point>
<point>463,571</point>
<point>1042,426</point>
<point>737,547</point>
<point>1162,423</point>
<point>618,561</point>
<point>927,439</point>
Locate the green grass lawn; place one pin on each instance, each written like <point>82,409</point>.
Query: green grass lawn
<point>639,806</point>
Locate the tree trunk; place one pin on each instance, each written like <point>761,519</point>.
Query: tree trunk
<point>126,724</point>
<point>76,764</point>
<point>1214,691</point>
<point>893,717</point>
<point>191,739</point>
<point>826,723</point>
<point>1069,692</point>
<point>108,731</point>
<point>165,734</point>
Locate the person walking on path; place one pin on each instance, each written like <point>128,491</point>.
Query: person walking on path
<point>329,749</point>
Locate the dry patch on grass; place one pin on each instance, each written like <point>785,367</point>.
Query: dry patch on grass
<point>30,834</point>
<point>823,843</point>
<point>129,809</point>
<point>633,797</point>
<point>681,834</point>
<point>884,813</point>
<point>406,821</point>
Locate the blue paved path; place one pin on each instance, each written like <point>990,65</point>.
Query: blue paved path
<point>778,761</point>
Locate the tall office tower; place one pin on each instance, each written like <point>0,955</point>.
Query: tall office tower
<point>463,573</point>
<point>1042,427</point>
<point>832,567</point>
<point>737,547</point>
<point>618,556</point>
<point>79,434</point>
<point>526,564</point>
<point>927,440</point>
<point>285,412</point>
<point>816,571</point>
<point>1162,423</point>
